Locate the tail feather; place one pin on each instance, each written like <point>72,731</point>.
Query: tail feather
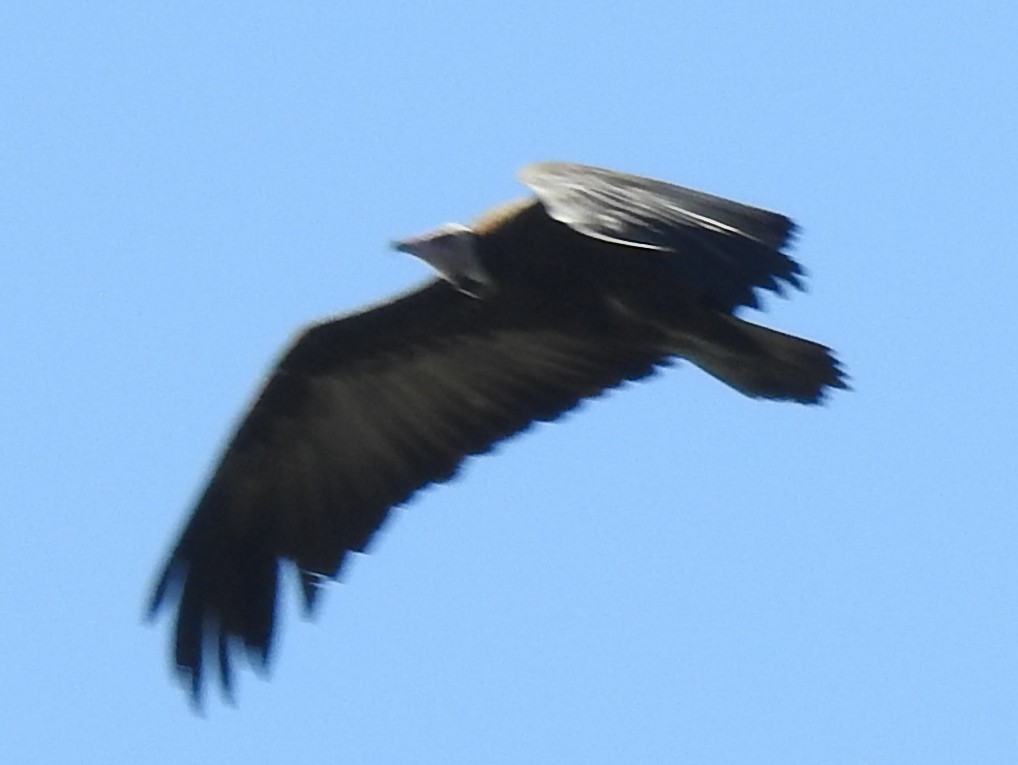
<point>761,362</point>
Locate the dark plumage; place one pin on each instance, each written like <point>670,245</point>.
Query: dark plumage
<point>544,301</point>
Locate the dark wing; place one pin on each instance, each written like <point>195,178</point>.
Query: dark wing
<point>727,249</point>
<point>360,413</point>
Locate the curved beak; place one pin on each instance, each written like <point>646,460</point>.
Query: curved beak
<point>400,245</point>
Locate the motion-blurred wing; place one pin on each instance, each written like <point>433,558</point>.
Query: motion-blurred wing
<point>360,413</point>
<point>727,249</point>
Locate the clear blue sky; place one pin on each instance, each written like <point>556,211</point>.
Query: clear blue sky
<point>676,573</point>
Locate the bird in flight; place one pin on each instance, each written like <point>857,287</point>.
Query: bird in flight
<point>596,278</point>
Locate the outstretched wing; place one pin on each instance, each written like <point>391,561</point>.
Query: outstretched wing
<point>360,413</point>
<point>726,249</point>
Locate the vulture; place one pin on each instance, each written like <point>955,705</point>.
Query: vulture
<point>597,278</point>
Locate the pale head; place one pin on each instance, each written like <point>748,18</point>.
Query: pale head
<point>452,251</point>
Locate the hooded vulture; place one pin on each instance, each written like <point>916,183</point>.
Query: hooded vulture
<point>597,278</point>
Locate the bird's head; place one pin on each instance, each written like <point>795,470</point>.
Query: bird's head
<point>452,251</point>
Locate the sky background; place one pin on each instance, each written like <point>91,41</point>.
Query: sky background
<point>676,573</point>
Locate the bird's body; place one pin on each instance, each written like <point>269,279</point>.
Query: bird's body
<point>598,279</point>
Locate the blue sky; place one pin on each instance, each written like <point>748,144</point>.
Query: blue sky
<point>676,573</point>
